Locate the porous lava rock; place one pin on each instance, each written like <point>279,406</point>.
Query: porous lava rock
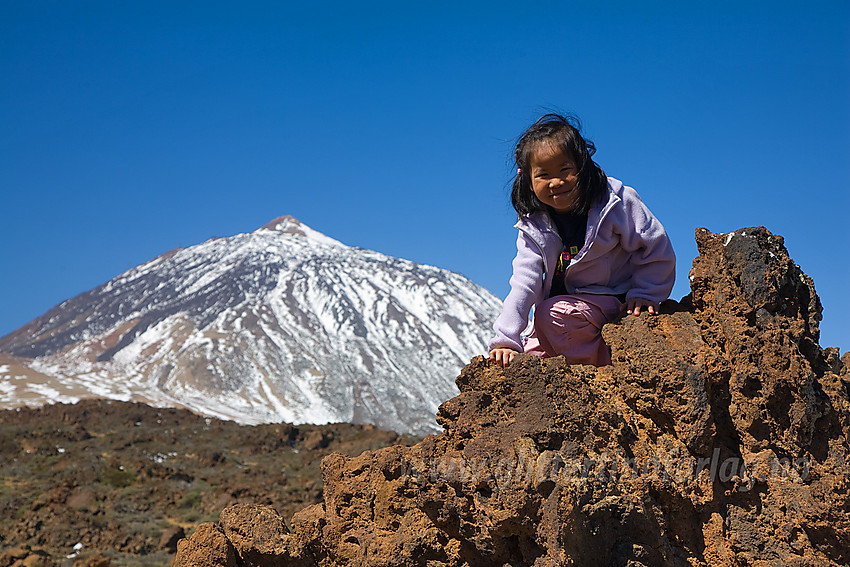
<point>718,436</point>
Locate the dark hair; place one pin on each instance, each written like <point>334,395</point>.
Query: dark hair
<point>565,133</point>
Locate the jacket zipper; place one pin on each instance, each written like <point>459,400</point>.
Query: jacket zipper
<point>582,253</point>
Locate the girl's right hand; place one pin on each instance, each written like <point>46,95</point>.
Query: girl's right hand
<point>635,304</point>
<point>503,356</point>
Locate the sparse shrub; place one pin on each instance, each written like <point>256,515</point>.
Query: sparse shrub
<point>117,478</point>
<point>191,499</point>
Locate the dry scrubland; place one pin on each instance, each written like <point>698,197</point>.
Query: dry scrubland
<point>128,480</point>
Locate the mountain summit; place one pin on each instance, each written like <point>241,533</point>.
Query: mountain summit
<point>280,324</point>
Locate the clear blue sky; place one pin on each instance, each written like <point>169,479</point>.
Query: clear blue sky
<point>131,128</point>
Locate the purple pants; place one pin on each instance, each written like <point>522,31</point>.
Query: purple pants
<point>571,325</point>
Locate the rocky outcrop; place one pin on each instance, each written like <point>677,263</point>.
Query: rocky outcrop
<point>718,436</point>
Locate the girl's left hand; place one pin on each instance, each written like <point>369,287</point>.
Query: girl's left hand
<point>635,304</point>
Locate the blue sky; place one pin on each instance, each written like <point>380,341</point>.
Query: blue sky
<point>131,128</point>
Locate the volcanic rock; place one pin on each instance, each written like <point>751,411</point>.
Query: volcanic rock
<point>718,436</point>
<point>209,547</point>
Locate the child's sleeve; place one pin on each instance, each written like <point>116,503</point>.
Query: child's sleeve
<point>653,260</point>
<point>526,287</point>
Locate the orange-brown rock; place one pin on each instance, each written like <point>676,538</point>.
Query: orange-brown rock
<point>718,436</point>
<point>260,537</point>
<point>208,547</point>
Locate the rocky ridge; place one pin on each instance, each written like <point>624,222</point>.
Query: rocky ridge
<point>718,436</point>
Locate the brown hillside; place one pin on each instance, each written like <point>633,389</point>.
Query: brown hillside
<point>117,483</point>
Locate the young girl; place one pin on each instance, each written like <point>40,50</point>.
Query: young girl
<point>587,248</point>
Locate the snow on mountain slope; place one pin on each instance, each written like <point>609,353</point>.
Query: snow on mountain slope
<point>282,323</point>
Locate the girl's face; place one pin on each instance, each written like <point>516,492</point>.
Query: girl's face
<point>554,177</point>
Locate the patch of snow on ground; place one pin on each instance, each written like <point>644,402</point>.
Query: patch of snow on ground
<point>161,332</point>
<point>218,270</point>
<point>51,394</point>
<point>7,390</point>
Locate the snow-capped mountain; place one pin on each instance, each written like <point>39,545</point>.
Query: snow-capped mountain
<point>281,324</point>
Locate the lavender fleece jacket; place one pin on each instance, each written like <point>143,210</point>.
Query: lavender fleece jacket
<point>626,251</point>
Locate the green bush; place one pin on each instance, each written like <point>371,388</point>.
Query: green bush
<point>117,478</point>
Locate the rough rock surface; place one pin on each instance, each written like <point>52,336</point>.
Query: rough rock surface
<point>719,436</point>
